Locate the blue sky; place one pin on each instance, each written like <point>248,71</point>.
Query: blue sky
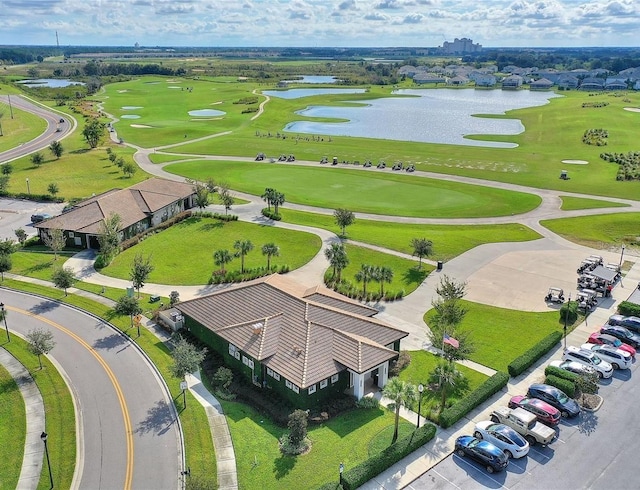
<point>317,23</point>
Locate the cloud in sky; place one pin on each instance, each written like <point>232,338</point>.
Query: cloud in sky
<point>320,22</point>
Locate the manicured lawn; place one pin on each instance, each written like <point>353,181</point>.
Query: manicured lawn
<point>570,203</point>
<point>449,241</point>
<point>37,262</point>
<point>501,335</point>
<point>363,191</point>
<point>20,129</point>
<point>12,434</point>
<point>59,413</point>
<point>344,439</point>
<point>406,275</point>
<point>183,254</point>
<point>599,231</point>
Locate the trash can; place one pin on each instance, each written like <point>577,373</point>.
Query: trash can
<point>439,265</point>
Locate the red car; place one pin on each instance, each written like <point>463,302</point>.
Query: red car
<point>606,339</point>
<point>546,414</point>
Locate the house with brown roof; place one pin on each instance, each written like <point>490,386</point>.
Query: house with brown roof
<point>141,206</point>
<point>305,344</point>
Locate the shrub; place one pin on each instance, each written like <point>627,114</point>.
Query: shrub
<point>627,308</point>
<point>570,311</point>
<point>297,427</point>
<point>267,213</point>
<point>403,360</point>
<point>526,360</point>
<point>563,384</point>
<point>490,387</point>
<point>368,469</point>
<point>561,373</point>
<point>368,402</point>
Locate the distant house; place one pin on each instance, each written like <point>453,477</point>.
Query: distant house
<point>485,80</point>
<point>305,344</point>
<point>541,84</point>
<point>512,82</point>
<point>616,83</point>
<point>457,80</point>
<point>592,83</point>
<point>408,71</point>
<point>282,84</point>
<point>568,82</point>
<point>140,207</point>
<point>423,78</point>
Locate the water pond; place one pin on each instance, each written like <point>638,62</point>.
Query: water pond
<point>49,82</point>
<point>298,93</point>
<point>314,79</point>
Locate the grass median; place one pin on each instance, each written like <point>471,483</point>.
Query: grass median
<point>600,232</point>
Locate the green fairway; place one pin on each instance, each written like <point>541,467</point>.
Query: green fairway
<point>364,191</point>
<point>183,254</point>
<point>500,335</point>
<point>570,203</point>
<point>449,241</point>
<point>19,129</point>
<point>599,231</point>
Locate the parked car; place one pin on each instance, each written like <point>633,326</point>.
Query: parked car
<point>622,333</point>
<point>546,414</point>
<point>526,424</point>
<point>630,322</point>
<point>604,369</point>
<point>573,367</point>
<point>38,218</point>
<point>618,358</point>
<point>556,398</point>
<point>606,339</point>
<point>483,452</point>
<point>513,445</point>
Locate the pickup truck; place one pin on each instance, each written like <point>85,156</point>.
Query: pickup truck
<point>524,423</point>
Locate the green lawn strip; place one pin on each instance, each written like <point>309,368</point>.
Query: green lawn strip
<point>500,335</point>
<point>371,191</point>
<point>449,241</point>
<point>200,455</point>
<point>345,439</point>
<point>19,129</point>
<point>570,203</point>
<point>12,434</point>
<point>59,414</point>
<point>406,275</point>
<point>417,372</point>
<point>197,238</point>
<point>381,440</point>
<point>600,231</point>
<point>37,262</point>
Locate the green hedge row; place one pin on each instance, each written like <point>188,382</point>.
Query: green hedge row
<point>520,364</point>
<point>629,309</point>
<point>487,389</point>
<point>271,214</point>
<point>370,468</point>
<point>561,373</point>
<point>569,387</point>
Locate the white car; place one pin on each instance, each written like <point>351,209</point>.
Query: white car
<point>513,445</point>
<point>618,358</point>
<point>604,369</point>
<point>573,367</point>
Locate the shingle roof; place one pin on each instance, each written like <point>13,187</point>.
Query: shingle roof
<point>276,321</point>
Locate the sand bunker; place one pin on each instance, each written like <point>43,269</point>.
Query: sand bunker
<point>174,87</point>
<point>140,126</point>
<point>575,162</point>
<point>632,109</point>
<point>122,91</point>
<point>207,119</point>
<point>216,103</point>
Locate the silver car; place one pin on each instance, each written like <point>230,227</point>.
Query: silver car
<point>618,358</point>
<point>512,444</point>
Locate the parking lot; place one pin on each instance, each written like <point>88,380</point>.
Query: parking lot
<point>16,213</point>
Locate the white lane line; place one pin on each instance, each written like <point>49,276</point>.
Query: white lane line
<point>446,479</point>
<point>488,475</point>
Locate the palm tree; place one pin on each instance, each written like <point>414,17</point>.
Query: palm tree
<point>401,393</point>
<point>364,275</point>
<point>421,248</point>
<point>383,274</point>
<point>336,254</point>
<point>278,200</point>
<point>221,258</point>
<point>270,250</point>
<point>445,377</point>
<point>268,196</point>
<point>344,218</point>
<point>243,247</point>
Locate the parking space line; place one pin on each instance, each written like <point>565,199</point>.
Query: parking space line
<point>540,453</point>
<point>521,468</point>
<point>488,475</point>
<point>447,480</point>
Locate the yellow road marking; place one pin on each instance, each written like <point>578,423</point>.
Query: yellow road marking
<point>123,406</point>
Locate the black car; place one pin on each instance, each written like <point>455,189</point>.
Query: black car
<point>629,322</point>
<point>38,218</point>
<point>556,398</point>
<point>622,333</point>
<point>483,452</point>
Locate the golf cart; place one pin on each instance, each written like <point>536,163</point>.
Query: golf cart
<point>587,265</point>
<point>555,295</point>
<point>596,258</point>
<point>260,157</point>
<point>282,158</point>
<point>382,164</point>
<point>335,161</point>
<point>291,158</point>
<point>397,166</point>
<point>324,160</point>
<point>411,168</point>
<point>367,163</point>
<point>587,299</point>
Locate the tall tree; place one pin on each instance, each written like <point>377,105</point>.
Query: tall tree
<point>128,305</point>
<point>186,357</point>
<point>222,258</point>
<point>40,342</point>
<point>243,247</point>
<point>336,254</point>
<point>56,149</point>
<point>53,189</point>
<point>344,218</point>
<point>37,159</point>
<point>63,278</point>
<point>109,237</point>
<point>226,198</point>
<point>140,270</point>
<point>278,200</point>
<point>421,248</point>
<point>401,394</point>
<point>202,195</point>
<point>21,235</point>
<point>93,132</point>
<point>383,274</point>
<point>364,275</point>
<point>129,169</point>
<point>55,240</point>
<point>267,196</point>
<point>270,250</point>
<point>450,289</point>
<point>5,264</point>
<point>7,168</point>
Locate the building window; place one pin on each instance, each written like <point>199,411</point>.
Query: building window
<point>334,378</point>
<point>295,388</point>
<point>71,235</point>
<point>323,383</point>
<point>273,374</point>
<point>287,383</point>
<point>233,351</point>
<point>312,389</point>
<point>247,361</point>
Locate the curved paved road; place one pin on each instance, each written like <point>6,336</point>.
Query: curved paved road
<point>43,140</point>
<point>129,434</point>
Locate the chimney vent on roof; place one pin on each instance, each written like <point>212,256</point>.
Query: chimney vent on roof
<point>257,328</point>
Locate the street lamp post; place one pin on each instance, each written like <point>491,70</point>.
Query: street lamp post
<point>4,317</point>
<point>420,390</point>
<point>28,188</point>
<point>566,314</point>
<point>44,436</point>
<point>620,265</point>
<point>341,470</point>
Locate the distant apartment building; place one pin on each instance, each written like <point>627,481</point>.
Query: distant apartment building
<point>460,46</point>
